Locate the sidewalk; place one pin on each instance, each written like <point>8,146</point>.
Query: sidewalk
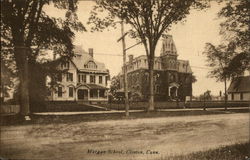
<point>131,111</point>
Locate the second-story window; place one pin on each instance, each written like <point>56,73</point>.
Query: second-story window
<point>79,78</point>
<point>70,77</point>
<point>92,79</point>
<point>106,80</point>
<point>100,79</point>
<point>84,79</point>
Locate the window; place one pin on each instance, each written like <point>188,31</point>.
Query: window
<point>232,96</point>
<point>84,78</point>
<point>70,91</point>
<point>187,79</point>
<point>146,77</point>
<point>106,80</point>
<point>65,65</point>
<point>157,89</point>
<point>92,79</point>
<point>59,77</point>
<point>172,77</point>
<point>241,96</point>
<point>100,79</point>
<point>59,92</point>
<point>69,76</point>
<point>91,64</point>
<point>79,78</point>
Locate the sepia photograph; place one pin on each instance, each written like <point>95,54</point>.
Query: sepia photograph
<point>125,80</point>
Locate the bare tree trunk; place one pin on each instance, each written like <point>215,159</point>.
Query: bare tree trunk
<point>22,66</point>
<point>151,84</point>
<point>225,82</point>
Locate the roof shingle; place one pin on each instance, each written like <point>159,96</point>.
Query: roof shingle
<point>240,84</point>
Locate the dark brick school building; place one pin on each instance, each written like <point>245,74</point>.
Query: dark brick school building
<point>172,77</point>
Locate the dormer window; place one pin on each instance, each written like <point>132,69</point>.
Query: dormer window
<point>91,64</point>
<point>64,65</point>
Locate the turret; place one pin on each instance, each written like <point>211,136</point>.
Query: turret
<point>168,53</point>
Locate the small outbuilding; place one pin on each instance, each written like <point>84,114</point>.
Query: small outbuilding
<point>239,89</point>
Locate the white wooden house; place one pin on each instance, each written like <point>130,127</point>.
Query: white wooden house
<point>85,79</point>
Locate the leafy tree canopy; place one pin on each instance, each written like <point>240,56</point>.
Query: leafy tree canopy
<point>149,20</point>
<point>25,23</point>
<point>235,32</point>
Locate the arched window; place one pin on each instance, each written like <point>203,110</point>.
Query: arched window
<point>172,77</point>
<point>91,64</point>
<point>146,77</point>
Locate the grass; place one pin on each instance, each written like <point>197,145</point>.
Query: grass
<point>233,152</point>
<point>38,119</point>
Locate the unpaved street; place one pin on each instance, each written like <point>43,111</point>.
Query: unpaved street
<point>148,138</point>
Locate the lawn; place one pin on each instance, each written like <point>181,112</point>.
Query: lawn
<point>232,152</point>
<point>154,137</point>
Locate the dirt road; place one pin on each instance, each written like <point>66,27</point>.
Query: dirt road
<point>148,138</point>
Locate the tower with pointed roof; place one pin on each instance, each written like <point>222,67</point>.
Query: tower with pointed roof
<point>168,53</point>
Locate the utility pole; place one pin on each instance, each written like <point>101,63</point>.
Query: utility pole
<point>125,81</point>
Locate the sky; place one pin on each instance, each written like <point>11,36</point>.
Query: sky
<point>190,37</point>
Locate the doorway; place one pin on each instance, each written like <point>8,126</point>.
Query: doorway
<point>80,94</point>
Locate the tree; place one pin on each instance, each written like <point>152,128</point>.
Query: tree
<point>235,32</point>
<point>206,96</point>
<point>219,58</point>
<point>6,81</point>
<point>149,20</point>
<point>115,85</point>
<point>26,30</point>
<point>194,79</point>
<point>231,58</point>
<point>235,29</point>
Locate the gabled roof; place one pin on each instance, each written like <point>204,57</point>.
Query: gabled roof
<point>82,58</point>
<point>240,84</point>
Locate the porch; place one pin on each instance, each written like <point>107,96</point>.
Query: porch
<point>91,93</point>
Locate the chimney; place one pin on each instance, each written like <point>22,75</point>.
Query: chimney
<point>130,58</point>
<point>91,52</point>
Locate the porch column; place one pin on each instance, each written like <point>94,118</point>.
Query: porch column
<point>169,88</point>
<point>88,94</point>
<point>98,93</point>
<point>76,95</point>
<point>106,94</point>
